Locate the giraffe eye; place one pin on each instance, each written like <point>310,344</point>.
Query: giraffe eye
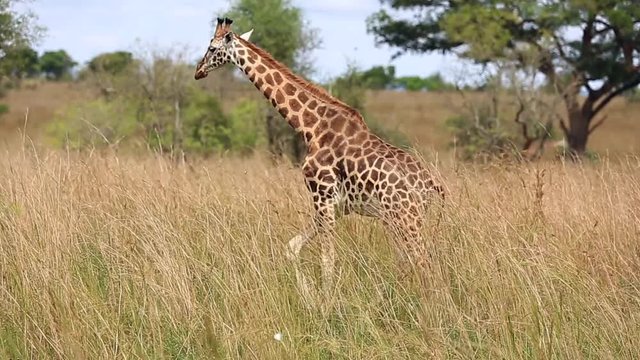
<point>212,49</point>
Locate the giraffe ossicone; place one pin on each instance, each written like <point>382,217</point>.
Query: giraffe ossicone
<point>346,167</point>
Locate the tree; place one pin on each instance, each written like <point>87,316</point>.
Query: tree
<point>112,63</point>
<point>282,31</point>
<point>379,77</point>
<point>410,83</point>
<point>56,65</point>
<point>17,33</point>
<point>154,103</point>
<point>19,63</point>
<point>17,30</point>
<point>593,44</point>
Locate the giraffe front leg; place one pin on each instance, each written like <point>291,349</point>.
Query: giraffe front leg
<point>325,222</point>
<point>293,253</point>
<point>297,243</point>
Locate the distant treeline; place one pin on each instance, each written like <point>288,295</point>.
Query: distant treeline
<point>384,77</point>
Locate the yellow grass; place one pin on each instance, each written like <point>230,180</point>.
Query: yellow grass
<point>132,257</point>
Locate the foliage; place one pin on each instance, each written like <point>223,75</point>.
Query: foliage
<point>93,124</point>
<point>433,82</point>
<point>208,129</point>
<point>19,63</point>
<point>246,124</point>
<point>112,63</point>
<point>153,102</point>
<point>17,30</point>
<point>601,60</point>
<point>56,65</point>
<point>481,136</point>
<point>280,29</point>
<point>379,77</point>
<point>350,88</point>
<point>510,117</point>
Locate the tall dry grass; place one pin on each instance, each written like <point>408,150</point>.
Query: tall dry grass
<point>106,257</point>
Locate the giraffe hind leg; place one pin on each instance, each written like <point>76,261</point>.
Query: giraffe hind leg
<point>328,265</point>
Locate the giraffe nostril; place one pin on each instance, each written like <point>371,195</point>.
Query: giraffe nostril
<point>200,74</point>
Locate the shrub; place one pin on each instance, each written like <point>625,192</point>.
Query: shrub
<point>93,124</point>
<point>4,108</point>
<point>480,136</point>
<point>208,129</point>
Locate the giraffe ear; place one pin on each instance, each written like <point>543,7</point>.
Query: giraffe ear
<point>246,35</point>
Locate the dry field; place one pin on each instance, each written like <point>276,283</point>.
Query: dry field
<point>422,116</point>
<point>132,257</point>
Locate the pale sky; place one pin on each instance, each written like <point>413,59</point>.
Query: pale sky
<point>85,28</point>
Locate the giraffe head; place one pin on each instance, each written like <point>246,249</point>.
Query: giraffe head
<point>220,50</point>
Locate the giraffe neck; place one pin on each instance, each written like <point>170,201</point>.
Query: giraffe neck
<point>308,109</point>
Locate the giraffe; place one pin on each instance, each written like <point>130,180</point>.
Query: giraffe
<point>347,169</point>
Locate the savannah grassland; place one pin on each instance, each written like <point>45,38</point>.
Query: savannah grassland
<point>106,255</point>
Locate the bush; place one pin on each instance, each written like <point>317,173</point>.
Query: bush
<point>4,108</point>
<point>480,136</point>
<point>206,128</point>
<point>91,124</point>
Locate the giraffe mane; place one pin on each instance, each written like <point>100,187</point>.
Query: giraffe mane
<point>316,91</point>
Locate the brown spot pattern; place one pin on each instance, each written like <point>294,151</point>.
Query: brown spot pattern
<point>295,105</point>
<point>289,89</point>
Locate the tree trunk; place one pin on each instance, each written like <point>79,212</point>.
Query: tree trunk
<point>578,133</point>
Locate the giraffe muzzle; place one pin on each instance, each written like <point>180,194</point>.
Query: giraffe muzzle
<point>200,74</point>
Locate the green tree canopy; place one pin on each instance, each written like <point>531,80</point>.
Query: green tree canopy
<point>56,65</point>
<point>280,28</point>
<point>379,77</point>
<point>20,63</point>
<point>17,30</point>
<point>595,43</point>
<point>112,63</point>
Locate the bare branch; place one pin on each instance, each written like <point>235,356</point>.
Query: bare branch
<point>627,86</point>
<point>597,124</point>
<point>563,126</point>
<point>594,95</point>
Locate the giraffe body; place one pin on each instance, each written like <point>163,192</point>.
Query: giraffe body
<point>347,168</point>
